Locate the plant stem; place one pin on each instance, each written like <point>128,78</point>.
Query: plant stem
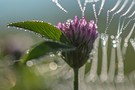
<point>76,79</point>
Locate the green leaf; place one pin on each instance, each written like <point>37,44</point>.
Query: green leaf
<point>44,29</point>
<point>44,48</point>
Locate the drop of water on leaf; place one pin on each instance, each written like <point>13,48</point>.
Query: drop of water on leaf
<point>41,21</point>
<point>27,52</point>
<point>29,63</point>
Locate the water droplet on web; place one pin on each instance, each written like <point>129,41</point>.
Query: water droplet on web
<point>20,28</point>
<point>59,53</point>
<point>104,38</point>
<point>89,61</point>
<point>17,28</point>
<point>54,0</point>
<point>90,1</point>
<point>8,26</point>
<point>51,55</point>
<point>114,41</point>
<point>125,44</point>
<point>112,36</point>
<point>114,45</point>
<point>95,13</point>
<point>132,41</point>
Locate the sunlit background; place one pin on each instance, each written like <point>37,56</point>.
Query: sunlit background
<point>13,42</point>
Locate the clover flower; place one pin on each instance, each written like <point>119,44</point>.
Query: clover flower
<point>82,35</point>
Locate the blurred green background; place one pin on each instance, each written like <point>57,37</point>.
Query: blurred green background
<point>14,42</point>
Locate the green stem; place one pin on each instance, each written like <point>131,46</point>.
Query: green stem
<point>76,79</point>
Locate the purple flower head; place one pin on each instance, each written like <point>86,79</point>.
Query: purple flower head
<point>82,35</point>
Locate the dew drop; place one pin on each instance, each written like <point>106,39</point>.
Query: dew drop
<point>41,21</point>
<point>127,24</point>
<point>17,28</point>
<point>53,66</point>
<point>29,63</point>
<point>104,38</point>
<point>27,52</point>
<point>94,51</point>
<point>131,40</point>
<point>20,28</point>
<point>89,61</point>
<point>125,44</point>
<point>50,23</point>
<point>8,26</point>
<point>114,41</point>
<point>54,0</point>
<point>95,13</point>
<point>114,45</point>
<point>90,1</point>
<point>59,53</point>
<point>51,55</point>
<point>112,36</point>
<point>68,22</point>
